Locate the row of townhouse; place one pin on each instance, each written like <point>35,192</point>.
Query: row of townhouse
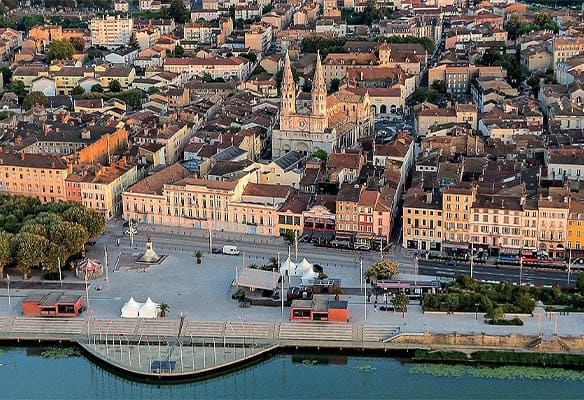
<point>50,179</point>
<point>461,217</point>
<point>246,205</point>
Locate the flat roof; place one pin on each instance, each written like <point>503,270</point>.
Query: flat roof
<point>52,298</point>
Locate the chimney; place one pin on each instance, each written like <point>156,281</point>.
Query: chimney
<point>22,156</point>
<point>429,197</point>
<point>18,140</point>
<point>122,163</point>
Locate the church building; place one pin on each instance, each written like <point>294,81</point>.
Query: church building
<point>333,123</point>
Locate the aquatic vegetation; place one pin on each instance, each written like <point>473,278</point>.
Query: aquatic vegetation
<point>365,368</point>
<point>503,372</point>
<point>60,352</point>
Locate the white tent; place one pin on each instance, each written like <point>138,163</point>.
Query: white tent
<point>288,267</point>
<point>305,265</point>
<point>149,309</point>
<point>131,308</point>
<point>308,276</point>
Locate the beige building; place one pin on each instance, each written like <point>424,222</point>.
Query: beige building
<point>259,37</point>
<point>111,31</point>
<point>422,221</point>
<point>36,175</point>
<point>565,47</point>
<point>553,221</point>
<point>335,66</point>
<point>101,187</point>
<point>225,68</point>
<point>456,216</point>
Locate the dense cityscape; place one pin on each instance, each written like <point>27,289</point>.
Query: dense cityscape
<point>358,157</point>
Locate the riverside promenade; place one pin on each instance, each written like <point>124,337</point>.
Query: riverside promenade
<point>153,349</point>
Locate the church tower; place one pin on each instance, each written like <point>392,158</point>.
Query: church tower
<point>319,90</point>
<point>288,90</point>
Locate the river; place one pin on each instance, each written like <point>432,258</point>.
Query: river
<point>25,374</point>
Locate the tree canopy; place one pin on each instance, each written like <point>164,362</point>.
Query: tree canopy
<point>34,99</point>
<point>383,269</point>
<point>33,234</point>
<point>517,25</point>
<point>60,50</point>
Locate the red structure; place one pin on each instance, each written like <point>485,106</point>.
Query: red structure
<point>55,304</point>
<point>319,310</point>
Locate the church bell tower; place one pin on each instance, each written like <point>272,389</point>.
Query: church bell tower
<point>319,90</point>
<point>288,90</point>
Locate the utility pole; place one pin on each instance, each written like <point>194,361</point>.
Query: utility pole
<point>106,265</point>
<point>296,245</point>
<point>471,258</point>
<point>282,279</point>
<point>60,272</point>
<point>520,267</point>
<point>569,266</point>
<point>86,288</point>
<point>381,249</point>
<point>8,286</point>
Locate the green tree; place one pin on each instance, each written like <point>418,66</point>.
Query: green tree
<point>400,303</point>
<point>250,56</point>
<point>29,250</point>
<point>153,89</point>
<point>70,236</point>
<point>97,88</point>
<point>93,221</point>
<point>163,308</point>
<point>421,95</point>
<point>5,250</point>
<point>18,88</point>
<point>60,50</point>
<point>496,313</point>
<point>178,12</point>
<point>580,283</point>
<point>383,269</point>
<point>319,153</point>
<point>35,99</point>
<point>115,86</point>
<point>179,51</point>
<point>439,86</point>
<point>77,90</point>
<point>78,44</point>
<point>6,74</point>
<point>335,83</point>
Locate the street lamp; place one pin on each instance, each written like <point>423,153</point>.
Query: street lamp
<point>476,311</point>
<point>8,286</point>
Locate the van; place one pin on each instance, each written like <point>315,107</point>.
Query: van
<point>231,250</point>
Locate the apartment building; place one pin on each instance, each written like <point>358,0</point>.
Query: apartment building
<point>35,175</point>
<point>456,216</point>
<point>497,222</point>
<point>111,31</point>
<point>554,210</point>
<point>575,237</point>
<point>335,65</point>
<point>199,32</point>
<point>225,68</point>
<point>565,47</point>
<point>258,37</point>
<point>101,187</point>
<point>422,221</point>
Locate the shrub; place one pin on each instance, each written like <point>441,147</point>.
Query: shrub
<point>510,322</point>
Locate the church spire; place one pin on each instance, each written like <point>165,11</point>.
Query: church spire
<point>319,90</point>
<point>288,90</point>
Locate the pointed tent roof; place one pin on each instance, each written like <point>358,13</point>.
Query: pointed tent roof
<point>287,266</point>
<point>306,265</point>
<point>131,308</point>
<point>149,309</point>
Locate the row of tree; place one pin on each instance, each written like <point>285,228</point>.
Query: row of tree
<point>33,234</point>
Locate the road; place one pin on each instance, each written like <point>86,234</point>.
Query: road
<point>259,250</point>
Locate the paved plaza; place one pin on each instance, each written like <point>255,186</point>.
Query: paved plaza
<point>203,292</point>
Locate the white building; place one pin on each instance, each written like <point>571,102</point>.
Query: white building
<point>111,31</point>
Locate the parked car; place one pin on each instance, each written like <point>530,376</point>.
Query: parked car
<point>362,246</point>
<point>451,263</point>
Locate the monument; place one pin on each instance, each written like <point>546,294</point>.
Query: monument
<point>150,256</point>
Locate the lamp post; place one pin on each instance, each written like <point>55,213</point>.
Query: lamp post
<point>471,258</point>
<point>569,266</point>
<point>476,311</point>
<point>8,286</point>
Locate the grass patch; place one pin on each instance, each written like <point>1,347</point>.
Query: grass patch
<point>510,322</point>
<point>440,355</point>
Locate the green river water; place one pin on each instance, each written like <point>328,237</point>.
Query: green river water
<point>25,374</point>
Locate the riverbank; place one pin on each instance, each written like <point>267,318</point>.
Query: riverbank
<point>212,347</point>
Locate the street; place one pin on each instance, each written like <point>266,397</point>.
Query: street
<point>260,249</point>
